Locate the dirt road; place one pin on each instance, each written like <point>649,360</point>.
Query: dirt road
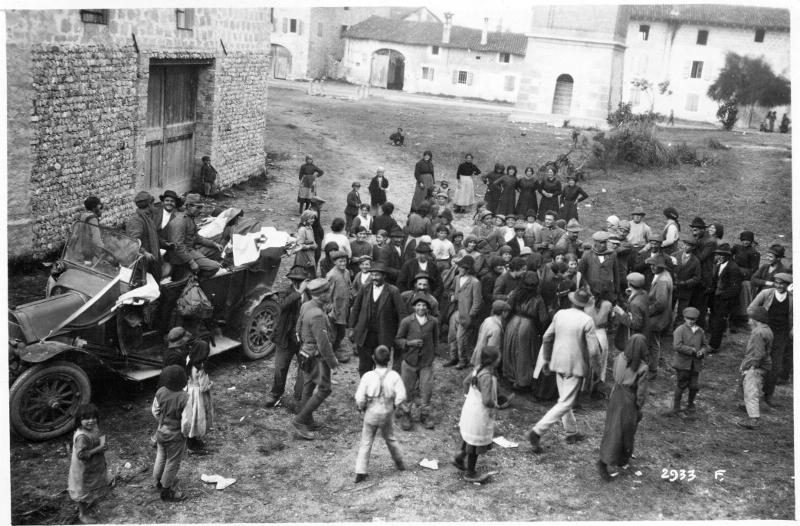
<point>736,474</point>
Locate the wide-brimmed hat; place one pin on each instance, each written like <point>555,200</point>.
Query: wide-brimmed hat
<point>467,262</point>
<point>423,248</point>
<point>297,272</point>
<point>318,285</point>
<point>579,298</point>
<point>723,249</point>
<point>172,194</point>
<point>698,222</point>
<point>574,226</point>
<point>758,313</point>
<point>747,235</point>
<point>636,279</point>
<point>671,213</point>
<point>379,266</point>
<point>316,200</point>
<point>177,336</point>
<point>777,250</point>
<point>658,261</point>
<point>142,196</point>
<point>421,297</point>
<point>782,276</point>
<point>638,211</point>
<point>691,313</point>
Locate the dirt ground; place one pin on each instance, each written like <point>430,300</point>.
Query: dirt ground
<point>735,473</point>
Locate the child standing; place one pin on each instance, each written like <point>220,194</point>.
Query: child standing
<point>379,393</point>
<point>199,412</point>
<point>168,406</point>
<point>478,413</point>
<point>690,349</point>
<point>339,278</point>
<point>443,249</point>
<point>88,475</point>
<point>757,363</point>
<point>209,177</point>
<point>353,205</point>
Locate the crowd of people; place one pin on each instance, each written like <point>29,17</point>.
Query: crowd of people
<point>524,298</point>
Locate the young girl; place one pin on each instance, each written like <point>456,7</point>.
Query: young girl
<point>478,412</point>
<point>88,475</point>
<point>570,197</point>
<point>199,411</point>
<point>305,246</point>
<point>168,406</point>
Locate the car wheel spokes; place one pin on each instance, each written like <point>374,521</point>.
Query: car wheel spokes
<point>50,401</point>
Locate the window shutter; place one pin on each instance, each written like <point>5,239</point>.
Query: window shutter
<point>706,71</point>
<point>285,25</point>
<point>190,18</point>
<point>299,27</point>
<point>469,79</point>
<point>687,70</point>
<point>430,73</point>
<point>455,76</point>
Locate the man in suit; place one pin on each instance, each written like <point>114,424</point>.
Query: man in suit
<point>374,319</point>
<point>598,267</point>
<point>419,264</point>
<point>659,312</point>
<point>687,276</point>
<point>569,241</point>
<point>518,242</point>
<point>464,321</point>
<point>704,250</point>
<point>390,255</point>
<point>140,226</point>
<point>764,277</point>
<point>725,287</point>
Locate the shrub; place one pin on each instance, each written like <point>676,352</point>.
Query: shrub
<point>632,143</point>
<point>716,145</point>
<point>727,114</point>
<point>624,115</point>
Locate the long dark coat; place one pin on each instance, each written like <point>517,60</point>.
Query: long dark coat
<point>390,310</point>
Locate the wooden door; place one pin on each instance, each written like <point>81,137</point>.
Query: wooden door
<point>380,67</point>
<point>562,99</point>
<point>282,60</point>
<point>170,127</point>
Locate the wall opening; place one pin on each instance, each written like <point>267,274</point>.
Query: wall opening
<point>388,69</point>
<point>281,61</point>
<point>562,97</point>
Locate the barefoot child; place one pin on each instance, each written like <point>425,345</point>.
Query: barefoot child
<point>168,406</point>
<point>88,475</point>
<point>198,414</point>
<point>379,393</point>
<point>478,412</point>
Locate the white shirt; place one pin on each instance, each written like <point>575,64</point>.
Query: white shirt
<point>423,266</point>
<point>365,277</point>
<point>780,296</point>
<point>376,291</point>
<point>165,217</point>
<point>722,267</point>
<point>442,248</point>
<point>422,320</point>
<point>370,386</point>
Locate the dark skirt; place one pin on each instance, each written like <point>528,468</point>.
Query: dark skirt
<point>492,199</point>
<point>526,201</point>
<point>616,447</point>
<point>568,211</point>
<point>548,203</point>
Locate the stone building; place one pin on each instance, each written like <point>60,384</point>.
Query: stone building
<point>686,46</point>
<point>113,101</point>
<point>307,41</point>
<point>431,57</point>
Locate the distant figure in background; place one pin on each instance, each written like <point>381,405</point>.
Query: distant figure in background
<point>377,189</point>
<point>353,204</point>
<point>308,178</point>
<point>208,175</point>
<point>423,174</point>
<point>465,186</point>
<point>771,116</point>
<point>784,127</point>
<point>397,137</point>
<point>671,120</point>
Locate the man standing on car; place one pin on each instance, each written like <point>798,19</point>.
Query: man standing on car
<point>183,232</point>
<point>316,354</point>
<point>141,226</point>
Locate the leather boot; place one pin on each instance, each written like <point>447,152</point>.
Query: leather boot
<point>690,408</point>
<point>602,469</point>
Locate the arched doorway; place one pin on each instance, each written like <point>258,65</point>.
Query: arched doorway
<point>562,98</point>
<point>388,69</point>
<point>281,61</point>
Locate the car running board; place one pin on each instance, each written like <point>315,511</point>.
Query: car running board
<point>221,344</point>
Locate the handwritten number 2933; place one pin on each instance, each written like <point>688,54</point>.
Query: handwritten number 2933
<point>674,475</point>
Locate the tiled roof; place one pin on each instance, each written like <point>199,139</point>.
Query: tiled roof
<point>714,15</point>
<point>430,34</point>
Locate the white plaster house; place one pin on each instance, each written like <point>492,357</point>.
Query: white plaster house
<point>431,57</point>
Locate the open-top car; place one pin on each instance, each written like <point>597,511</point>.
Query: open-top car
<point>104,313</point>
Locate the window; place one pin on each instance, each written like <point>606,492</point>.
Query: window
<point>346,8</point>
<point>644,31</point>
<point>462,77</point>
<point>319,29</point>
<point>184,18</point>
<point>292,25</point>
<point>343,30</point>
<point>477,57</point>
<point>272,17</point>
<point>702,37</point>
<point>427,73</point>
<point>509,83</point>
<point>692,99</point>
<point>760,35</point>
<point>94,16</point>
<point>434,50</point>
<point>505,58</point>
<point>697,69</point>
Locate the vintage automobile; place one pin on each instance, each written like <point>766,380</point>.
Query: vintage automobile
<point>93,323</point>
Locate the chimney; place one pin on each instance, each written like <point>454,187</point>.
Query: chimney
<point>448,24</point>
<point>499,25</point>
<point>485,32</point>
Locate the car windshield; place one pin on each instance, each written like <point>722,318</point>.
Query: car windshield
<point>101,249</point>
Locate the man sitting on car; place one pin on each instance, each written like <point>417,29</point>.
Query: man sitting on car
<point>182,231</point>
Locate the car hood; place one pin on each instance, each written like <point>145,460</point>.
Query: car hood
<point>35,320</point>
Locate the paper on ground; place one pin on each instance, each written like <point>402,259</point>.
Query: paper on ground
<point>221,481</point>
<point>430,464</point>
<point>503,442</point>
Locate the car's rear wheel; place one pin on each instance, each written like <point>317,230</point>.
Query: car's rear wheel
<point>258,330</point>
<point>44,399</point>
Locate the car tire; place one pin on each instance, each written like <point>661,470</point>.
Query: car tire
<point>258,329</point>
<point>44,399</point>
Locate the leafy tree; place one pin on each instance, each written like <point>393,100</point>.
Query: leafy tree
<point>746,81</point>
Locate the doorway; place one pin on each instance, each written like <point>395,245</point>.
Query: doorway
<point>562,98</point>
<point>282,62</point>
<point>388,69</point>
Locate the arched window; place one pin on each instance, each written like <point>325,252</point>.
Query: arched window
<point>562,98</point>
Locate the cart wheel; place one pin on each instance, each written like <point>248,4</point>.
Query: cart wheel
<point>258,330</point>
<point>44,399</point>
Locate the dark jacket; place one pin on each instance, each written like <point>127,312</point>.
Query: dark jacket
<point>410,329</point>
<point>758,281</point>
<point>353,201</point>
<point>727,284</point>
<point>182,231</point>
<point>140,226</point>
<point>390,310</point>
<point>383,222</point>
<point>316,334</point>
<point>410,268</point>
<point>687,276</point>
<point>377,191</point>
<point>387,254</point>
<point>309,169</point>
<point>686,343</point>
<point>290,300</point>
<point>747,259</point>
<point>704,251</point>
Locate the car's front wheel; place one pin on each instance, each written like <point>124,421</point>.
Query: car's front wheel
<point>258,330</point>
<point>44,399</point>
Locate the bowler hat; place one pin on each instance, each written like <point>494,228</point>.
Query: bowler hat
<point>671,213</point>
<point>142,196</point>
<point>776,250</point>
<point>574,226</point>
<point>758,313</point>
<point>318,285</point>
<point>423,248</point>
<point>658,261</point>
<point>691,313</point>
<point>172,194</point>
<point>782,276</point>
<point>635,279</point>
<point>378,267</point>
<point>697,222</point>
<point>638,211</point>
<point>177,336</point>
<point>579,298</point>
<point>723,249</point>
<point>297,272</point>
<point>747,236</point>
<point>467,262</point>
